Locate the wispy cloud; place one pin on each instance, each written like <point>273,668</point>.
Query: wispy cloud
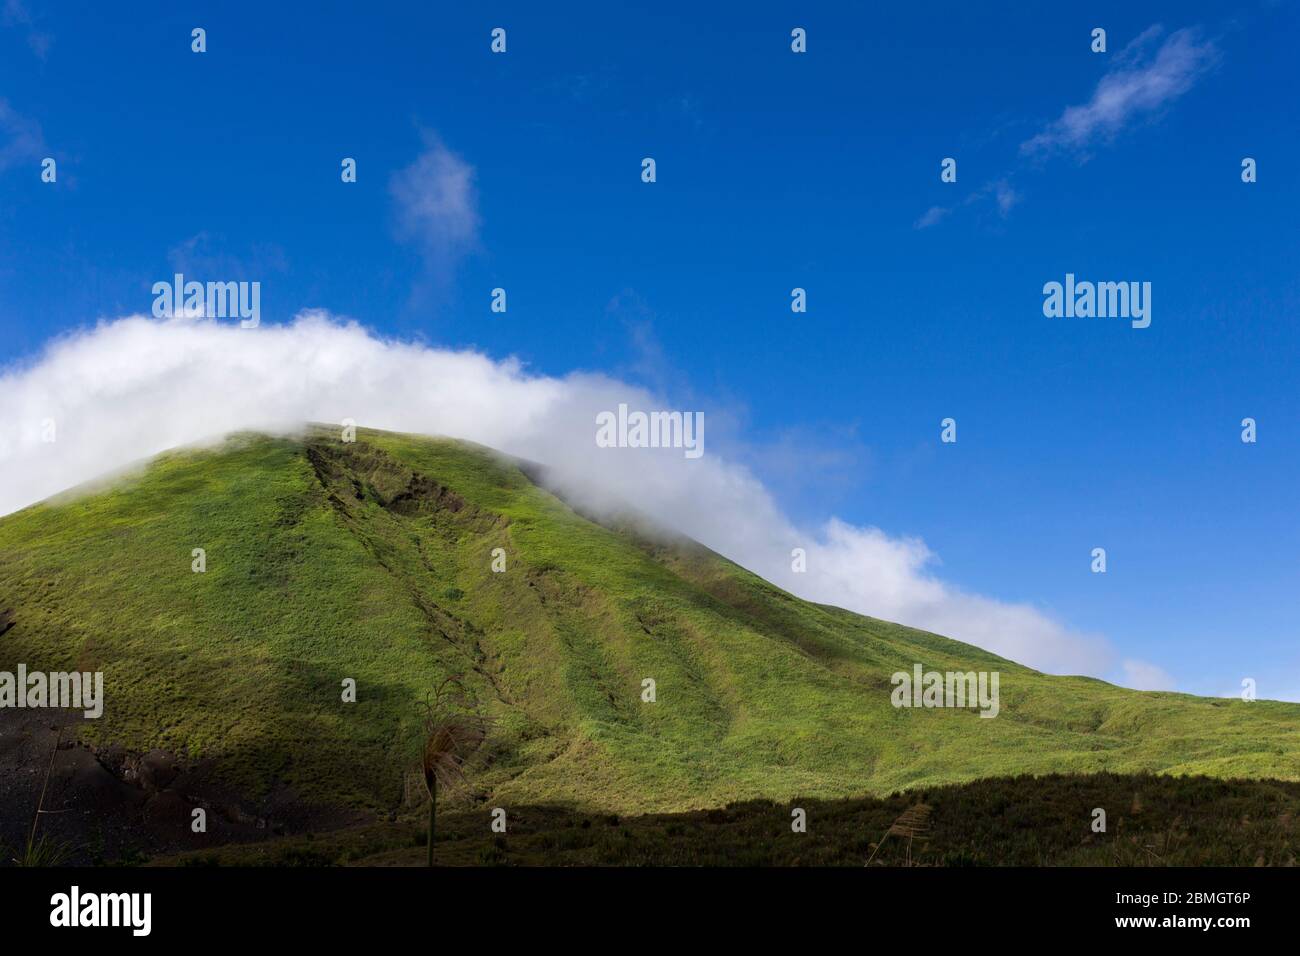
<point>1138,85</point>
<point>1143,676</point>
<point>204,257</point>
<point>932,217</point>
<point>1000,191</point>
<point>17,13</point>
<point>1143,78</point>
<point>21,139</point>
<point>1005,196</point>
<point>436,206</point>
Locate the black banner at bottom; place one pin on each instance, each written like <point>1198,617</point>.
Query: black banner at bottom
<point>338,905</point>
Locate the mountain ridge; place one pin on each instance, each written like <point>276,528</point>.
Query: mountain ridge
<point>372,561</point>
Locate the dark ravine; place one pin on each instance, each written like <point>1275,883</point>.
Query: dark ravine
<point>111,806</point>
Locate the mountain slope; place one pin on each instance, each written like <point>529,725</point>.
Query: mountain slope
<point>372,561</point>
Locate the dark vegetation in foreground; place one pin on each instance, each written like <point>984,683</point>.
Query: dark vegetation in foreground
<point>1008,821</point>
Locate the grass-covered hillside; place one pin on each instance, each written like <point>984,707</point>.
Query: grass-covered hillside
<point>373,561</point>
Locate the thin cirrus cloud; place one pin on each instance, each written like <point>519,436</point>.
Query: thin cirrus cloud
<point>435,206</point>
<point>21,139</point>
<point>1138,86</point>
<point>135,386</point>
<point>1146,676</point>
<point>1000,191</point>
<point>1146,76</point>
<point>16,13</point>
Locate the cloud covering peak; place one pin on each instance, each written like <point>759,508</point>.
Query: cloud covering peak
<point>136,386</point>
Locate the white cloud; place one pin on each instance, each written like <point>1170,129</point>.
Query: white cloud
<point>1143,676</point>
<point>136,386</point>
<point>17,14</point>
<point>932,216</point>
<point>21,140</point>
<point>437,206</point>
<point>1006,196</point>
<point>999,190</point>
<point>1136,85</point>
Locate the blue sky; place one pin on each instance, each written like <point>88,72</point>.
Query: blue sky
<point>774,170</point>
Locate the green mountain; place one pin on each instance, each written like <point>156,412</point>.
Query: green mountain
<point>373,561</point>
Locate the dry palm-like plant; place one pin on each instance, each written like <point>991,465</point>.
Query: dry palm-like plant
<point>43,852</point>
<point>453,731</point>
<point>912,823</point>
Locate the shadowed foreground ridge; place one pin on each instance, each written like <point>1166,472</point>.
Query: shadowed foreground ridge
<point>373,561</point>
<point>1001,821</point>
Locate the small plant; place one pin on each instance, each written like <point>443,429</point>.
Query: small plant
<point>453,731</point>
<point>911,823</point>
<point>491,856</point>
<point>131,856</point>
<point>41,852</point>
